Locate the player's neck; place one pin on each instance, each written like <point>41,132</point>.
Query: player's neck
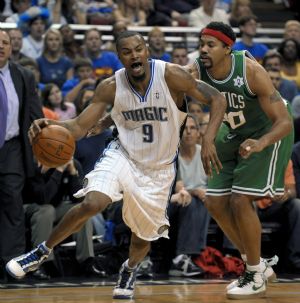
<point>221,70</point>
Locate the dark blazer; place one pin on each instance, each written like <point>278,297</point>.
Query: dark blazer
<point>29,110</point>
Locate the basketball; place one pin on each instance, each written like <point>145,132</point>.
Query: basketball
<point>53,146</point>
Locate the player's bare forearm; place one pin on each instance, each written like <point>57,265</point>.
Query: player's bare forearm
<point>276,110</point>
<point>218,105</point>
<point>279,130</point>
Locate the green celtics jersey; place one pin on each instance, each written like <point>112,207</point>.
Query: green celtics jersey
<point>244,114</point>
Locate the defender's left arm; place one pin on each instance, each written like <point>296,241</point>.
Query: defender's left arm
<point>181,82</point>
<point>273,106</point>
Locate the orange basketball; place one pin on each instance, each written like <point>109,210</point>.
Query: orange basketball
<point>53,146</point>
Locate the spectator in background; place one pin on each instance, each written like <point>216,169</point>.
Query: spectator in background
<point>84,97</point>
<point>191,217</point>
<point>19,106</point>
<point>32,13</point>
<point>20,6</point>
<point>154,17</point>
<point>157,45</point>
<point>74,12</point>
<point>207,13</point>
<point>196,109</point>
<point>273,60</point>
<point>296,116</point>
<point>290,52</point>
<point>16,39</point>
<point>296,166</point>
<point>105,63</point>
<point>53,65</point>
<point>177,10</point>
<point>292,30</point>
<point>180,55</point>
<point>131,12</point>
<point>71,48</point>
<point>32,65</point>
<point>248,28</point>
<point>52,98</point>
<point>118,27</point>
<point>239,8</point>
<point>33,43</point>
<point>285,209</point>
<point>83,69</point>
<point>48,195</point>
<point>276,79</point>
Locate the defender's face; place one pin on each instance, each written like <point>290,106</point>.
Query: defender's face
<point>133,54</point>
<point>212,51</point>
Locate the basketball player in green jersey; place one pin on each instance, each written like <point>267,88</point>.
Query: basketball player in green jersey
<point>254,145</point>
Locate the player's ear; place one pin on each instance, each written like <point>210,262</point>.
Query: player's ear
<point>228,49</point>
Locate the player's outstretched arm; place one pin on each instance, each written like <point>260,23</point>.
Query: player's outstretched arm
<point>181,82</point>
<point>272,104</point>
<point>79,126</point>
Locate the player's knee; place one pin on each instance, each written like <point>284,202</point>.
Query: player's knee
<point>94,203</point>
<point>239,203</point>
<point>212,205</point>
<point>139,243</point>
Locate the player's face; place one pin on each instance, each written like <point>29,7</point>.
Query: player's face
<point>133,54</point>
<point>212,51</point>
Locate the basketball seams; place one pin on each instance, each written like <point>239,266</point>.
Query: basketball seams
<point>56,140</point>
<point>56,157</point>
<point>54,146</point>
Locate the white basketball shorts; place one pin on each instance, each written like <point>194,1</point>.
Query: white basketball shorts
<point>145,191</point>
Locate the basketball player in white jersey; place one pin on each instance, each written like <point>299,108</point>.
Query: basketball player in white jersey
<point>139,166</point>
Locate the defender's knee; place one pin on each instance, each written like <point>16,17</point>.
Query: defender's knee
<point>213,206</point>
<point>240,203</point>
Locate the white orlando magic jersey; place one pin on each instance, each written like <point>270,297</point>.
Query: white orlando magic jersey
<point>148,126</point>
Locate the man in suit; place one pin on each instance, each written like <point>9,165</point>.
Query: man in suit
<point>19,106</point>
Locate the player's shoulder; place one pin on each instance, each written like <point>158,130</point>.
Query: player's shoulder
<point>176,71</point>
<point>106,88</point>
<point>253,68</point>
<point>108,83</point>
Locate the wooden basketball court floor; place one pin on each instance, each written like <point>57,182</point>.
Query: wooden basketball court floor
<point>158,291</point>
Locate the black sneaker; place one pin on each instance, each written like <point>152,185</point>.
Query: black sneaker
<point>185,267</point>
<point>19,266</point>
<point>125,284</point>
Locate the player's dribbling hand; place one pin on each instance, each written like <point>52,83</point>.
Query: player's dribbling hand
<point>36,127</point>
<point>210,157</point>
<point>249,147</point>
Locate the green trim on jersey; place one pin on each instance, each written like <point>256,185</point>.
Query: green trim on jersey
<point>244,114</point>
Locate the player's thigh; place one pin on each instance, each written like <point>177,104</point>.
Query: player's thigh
<point>265,170</point>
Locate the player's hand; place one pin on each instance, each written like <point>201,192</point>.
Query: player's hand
<point>36,127</point>
<point>210,157</point>
<point>249,147</point>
